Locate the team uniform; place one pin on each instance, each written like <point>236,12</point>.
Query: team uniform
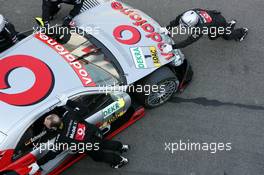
<point>76,130</point>
<point>8,34</point>
<point>51,8</point>
<point>212,21</point>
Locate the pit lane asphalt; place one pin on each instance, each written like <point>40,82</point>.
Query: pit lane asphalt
<point>224,103</point>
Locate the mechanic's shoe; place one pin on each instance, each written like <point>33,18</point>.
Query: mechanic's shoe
<point>125,148</point>
<point>245,34</point>
<point>232,24</point>
<point>122,163</point>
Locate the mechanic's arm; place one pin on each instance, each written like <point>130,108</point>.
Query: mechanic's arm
<point>9,37</point>
<point>10,33</point>
<point>190,40</point>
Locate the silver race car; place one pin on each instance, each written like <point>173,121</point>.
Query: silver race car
<point>113,45</point>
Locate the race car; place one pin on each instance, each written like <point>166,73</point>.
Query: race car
<point>40,71</point>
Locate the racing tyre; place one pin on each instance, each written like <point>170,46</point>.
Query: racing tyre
<point>161,85</point>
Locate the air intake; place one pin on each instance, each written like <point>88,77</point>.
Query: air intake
<point>89,4</point>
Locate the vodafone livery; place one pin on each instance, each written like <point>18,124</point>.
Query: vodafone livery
<point>39,73</point>
<point>76,65</point>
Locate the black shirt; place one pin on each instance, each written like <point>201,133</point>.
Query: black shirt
<point>207,19</point>
<point>74,130</point>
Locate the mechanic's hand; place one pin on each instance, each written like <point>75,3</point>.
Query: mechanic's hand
<point>67,20</point>
<point>63,100</point>
<point>34,168</point>
<point>164,30</point>
<point>167,48</point>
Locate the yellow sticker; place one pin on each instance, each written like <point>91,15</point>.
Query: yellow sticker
<point>113,108</point>
<point>121,102</point>
<point>155,57</point>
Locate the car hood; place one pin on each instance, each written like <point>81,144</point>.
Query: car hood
<point>32,74</point>
<point>131,35</point>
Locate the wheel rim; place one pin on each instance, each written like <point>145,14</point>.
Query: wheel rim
<point>157,98</point>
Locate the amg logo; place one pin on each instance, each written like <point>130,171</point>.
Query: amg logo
<point>73,130</point>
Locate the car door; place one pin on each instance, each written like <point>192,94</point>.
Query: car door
<point>100,108</point>
<point>103,109</point>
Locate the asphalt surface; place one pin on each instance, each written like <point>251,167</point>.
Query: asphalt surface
<point>224,103</point>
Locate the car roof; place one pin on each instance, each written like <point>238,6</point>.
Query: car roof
<point>33,73</point>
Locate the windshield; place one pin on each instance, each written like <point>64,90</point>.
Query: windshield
<point>97,64</point>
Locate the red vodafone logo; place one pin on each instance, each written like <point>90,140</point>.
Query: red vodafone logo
<point>80,132</point>
<point>41,88</point>
<point>135,35</point>
<point>138,22</point>
<point>206,16</point>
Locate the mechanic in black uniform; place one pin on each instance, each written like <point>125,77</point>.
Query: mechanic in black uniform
<point>51,7</point>
<point>201,19</point>
<point>72,128</point>
<point>8,34</point>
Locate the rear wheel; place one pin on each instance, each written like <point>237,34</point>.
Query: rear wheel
<point>162,84</point>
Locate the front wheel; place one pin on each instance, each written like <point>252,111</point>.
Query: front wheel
<point>162,83</point>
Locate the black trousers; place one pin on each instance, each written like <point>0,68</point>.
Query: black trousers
<point>107,152</point>
<point>49,9</point>
<point>235,34</point>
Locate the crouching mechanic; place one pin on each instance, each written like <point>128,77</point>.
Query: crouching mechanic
<point>8,34</point>
<point>72,129</point>
<point>51,7</point>
<point>199,22</point>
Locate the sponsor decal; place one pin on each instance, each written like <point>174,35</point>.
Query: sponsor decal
<point>80,134</point>
<point>135,35</point>
<point>116,117</point>
<point>71,60</point>
<point>34,139</point>
<point>113,108</point>
<point>73,130</point>
<point>155,57</point>
<point>139,57</point>
<point>206,17</point>
<point>138,22</point>
<point>42,87</point>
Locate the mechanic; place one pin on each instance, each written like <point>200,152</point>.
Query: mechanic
<point>72,129</point>
<point>51,7</point>
<point>8,34</point>
<point>199,20</point>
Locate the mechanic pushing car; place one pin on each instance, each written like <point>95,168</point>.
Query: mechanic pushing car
<point>51,7</point>
<point>72,129</point>
<point>8,34</point>
<point>199,22</point>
